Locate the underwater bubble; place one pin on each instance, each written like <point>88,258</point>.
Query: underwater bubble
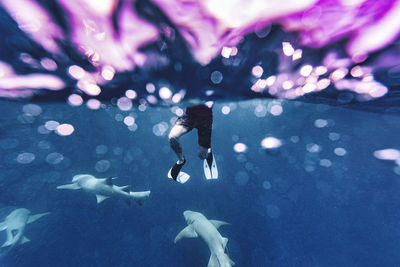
<point>325,163</point>
<point>118,151</point>
<point>65,129</point>
<point>54,158</point>
<point>249,166</point>
<point>119,117</point>
<point>102,165</point>
<point>240,147</point>
<point>334,136</point>
<point>276,110</point>
<point>26,118</point>
<point>165,93</point>
<point>124,103</point>
<point>44,144</point>
<point>241,178</point>
<point>129,121</point>
<point>216,77</point>
<point>93,104</point>
<point>225,110</point>
<point>25,158</point>
<point>320,123</point>
<point>271,142</point>
<point>273,211</point>
<point>32,109</point>
<point>150,88</point>
<point>51,125</point>
<point>387,154</point>
<point>101,149</point>
<point>133,128</point>
<point>266,185</point>
<point>131,94</point>
<point>75,100</point>
<point>313,148</point>
<point>9,143</point>
<point>160,129</point>
<point>260,111</point>
<point>340,151</point>
<point>257,71</point>
<point>43,130</point>
<point>295,139</point>
<point>179,112</point>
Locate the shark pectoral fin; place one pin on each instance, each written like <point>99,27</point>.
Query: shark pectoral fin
<point>100,198</point>
<point>188,232</point>
<point>35,217</point>
<point>9,242</point>
<point>213,262</point>
<point>217,224</point>
<point>25,240</point>
<point>3,226</point>
<point>69,186</point>
<point>224,242</point>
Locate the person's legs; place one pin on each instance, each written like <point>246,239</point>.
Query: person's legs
<point>176,132</point>
<point>204,137</point>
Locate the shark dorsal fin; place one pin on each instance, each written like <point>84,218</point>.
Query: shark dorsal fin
<point>35,217</point>
<point>25,240</point>
<point>217,223</point>
<point>188,231</point>
<point>108,181</point>
<point>100,198</point>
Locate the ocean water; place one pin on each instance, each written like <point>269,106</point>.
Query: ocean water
<point>305,132</point>
<point>321,199</point>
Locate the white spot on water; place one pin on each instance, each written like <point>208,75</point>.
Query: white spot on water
<point>340,151</point>
<point>320,123</point>
<point>276,110</point>
<point>32,109</point>
<point>216,77</point>
<point>54,158</point>
<point>273,211</point>
<point>271,142</point>
<point>325,163</point>
<point>124,104</point>
<point>240,147</point>
<point>313,148</point>
<point>160,129</point>
<point>266,185</point>
<point>25,158</point>
<point>295,139</point>
<point>102,165</point>
<point>334,136</point>
<point>225,110</point>
<point>65,129</point>
<point>387,154</point>
<point>241,178</point>
<point>51,125</point>
<point>101,149</point>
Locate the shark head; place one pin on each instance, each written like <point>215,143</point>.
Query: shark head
<point>190,216</point>
<point>81,177</point>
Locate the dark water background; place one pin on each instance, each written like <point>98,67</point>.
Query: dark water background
<point>284,208</point>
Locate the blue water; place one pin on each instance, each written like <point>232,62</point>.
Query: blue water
<point>284,208</point>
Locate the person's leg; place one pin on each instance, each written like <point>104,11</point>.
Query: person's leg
<point>176,132</point>
<point>204,133</point>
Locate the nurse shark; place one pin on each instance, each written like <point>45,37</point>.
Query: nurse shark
<point>199,225</point>
<point>103,188</point>
<point>14,225</point>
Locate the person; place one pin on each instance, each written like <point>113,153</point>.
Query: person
<point>199,117</point>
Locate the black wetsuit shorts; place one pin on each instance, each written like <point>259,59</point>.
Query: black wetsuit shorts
<point>203,124</point>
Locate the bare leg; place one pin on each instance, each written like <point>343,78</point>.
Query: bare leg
<point>176,132</point>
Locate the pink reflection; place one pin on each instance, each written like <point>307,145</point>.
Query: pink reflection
<point>35,21</point>
<point>94,33</point>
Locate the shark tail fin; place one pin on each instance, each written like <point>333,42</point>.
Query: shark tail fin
<point>213,261</point>
<point>140,197</point>
<point>3,226</point>
<point>35,217</point>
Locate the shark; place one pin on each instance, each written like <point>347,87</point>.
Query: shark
<point>104,188</point>
<point>199,225</point>
<point>15,224</point>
